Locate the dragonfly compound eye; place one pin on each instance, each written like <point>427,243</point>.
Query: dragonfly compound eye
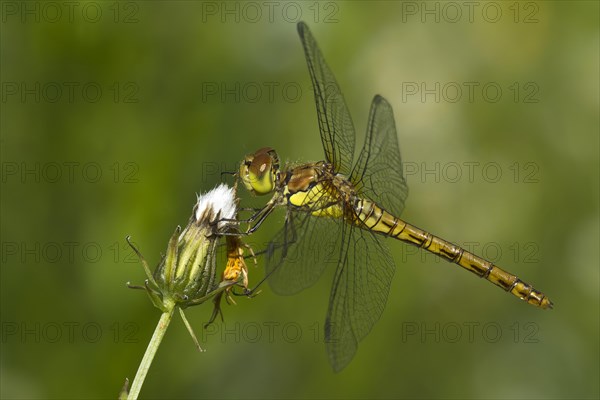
<point>258,171</point>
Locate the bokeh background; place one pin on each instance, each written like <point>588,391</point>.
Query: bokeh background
<point>114,114</point>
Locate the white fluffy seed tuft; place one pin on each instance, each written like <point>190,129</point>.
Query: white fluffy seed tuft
<point>219,201</point>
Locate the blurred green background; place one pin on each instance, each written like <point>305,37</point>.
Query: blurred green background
<point>115,114</point>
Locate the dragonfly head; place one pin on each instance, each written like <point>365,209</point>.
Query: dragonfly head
<point>259,171</point>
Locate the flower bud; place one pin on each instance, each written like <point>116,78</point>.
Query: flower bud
<point>187,273</point>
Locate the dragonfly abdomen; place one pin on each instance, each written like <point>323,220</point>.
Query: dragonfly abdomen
<point>369,215</point>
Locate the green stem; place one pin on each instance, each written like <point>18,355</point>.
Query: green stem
<point>159,333</point>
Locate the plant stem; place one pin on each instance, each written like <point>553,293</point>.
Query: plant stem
<point>159,333</point>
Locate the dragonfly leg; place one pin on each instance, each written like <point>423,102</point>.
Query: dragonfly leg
<point>216,310</point>
<point>289,223</point>
<point>252,254</point>
<point>258,216</point>
<point>253,209</point>
<point>230,173</point>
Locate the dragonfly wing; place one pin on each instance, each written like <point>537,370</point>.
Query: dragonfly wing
<point>359,293</point>
<point>300,252</point>
<point>335,123</point>
<point>378,171</point>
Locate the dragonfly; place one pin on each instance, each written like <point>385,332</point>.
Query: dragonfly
<point>339,210</point>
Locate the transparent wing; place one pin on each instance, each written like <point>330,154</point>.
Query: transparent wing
<point>335,123</point>
<point>301,251</point>
<point>358,295</point>
<point>378,174</point>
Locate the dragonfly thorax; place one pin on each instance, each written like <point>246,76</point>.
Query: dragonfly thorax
<point>259,171</point>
